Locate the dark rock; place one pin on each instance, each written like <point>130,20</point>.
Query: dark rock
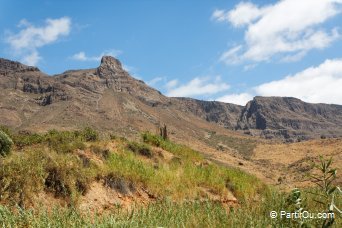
<point>290,118</point>
<point>8,66</point>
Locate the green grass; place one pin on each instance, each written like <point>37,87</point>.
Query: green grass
<point>163,214</point>
<point>180,185</point>
<point>22,175</point>
<point>176,149</point>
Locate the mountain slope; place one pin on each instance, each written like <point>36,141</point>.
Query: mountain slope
<point>108,98</point>
<point>291,118</point>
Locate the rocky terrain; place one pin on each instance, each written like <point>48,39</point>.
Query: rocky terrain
<point>291,119</point>
<point>108,98</point>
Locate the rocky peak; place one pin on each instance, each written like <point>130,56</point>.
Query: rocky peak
<point>110,66</point>
<point>7,66</point>
<point>111,62</point>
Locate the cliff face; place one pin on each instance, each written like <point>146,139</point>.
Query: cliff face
<point>108,98</point>
<point>223,114</point>
<point>291,118</point>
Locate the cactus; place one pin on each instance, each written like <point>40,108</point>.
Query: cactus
<point>163,132</point>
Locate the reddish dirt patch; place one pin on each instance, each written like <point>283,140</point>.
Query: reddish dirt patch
<point>100,199</point>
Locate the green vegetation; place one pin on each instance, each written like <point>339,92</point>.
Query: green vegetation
<point>176,149</point>
<point>326,197</point>
<point>22,176</point>
<point>140,148</point>
<point>163,214</point>
<point>188,190</point>
<point>5,143</point>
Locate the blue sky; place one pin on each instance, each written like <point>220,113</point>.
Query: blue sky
<point>213,50</point>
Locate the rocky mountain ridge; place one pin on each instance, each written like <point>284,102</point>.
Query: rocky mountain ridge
<point>107,97</point>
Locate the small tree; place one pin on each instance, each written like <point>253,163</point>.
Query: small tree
<point>328,190</point>
<point>90,134</point>
<point>5,143</point>
<point>325,195</point>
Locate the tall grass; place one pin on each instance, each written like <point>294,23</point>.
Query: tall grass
<point>164,214</point>
<point>183,185</point>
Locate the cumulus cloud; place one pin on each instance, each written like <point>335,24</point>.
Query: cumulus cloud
<point>270,31</point>
<point>244,13</point>
<point>197,87</point>
<point>82,56</point>
<point>240,99</point>
<point>321,84</point>
<point>30,38</point>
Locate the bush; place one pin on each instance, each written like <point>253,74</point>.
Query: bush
<point>90,134</point>
<point>141,149</point>
<point>21,177</point>
<point>66,176</point>
<point>64,141</point>
<point>151,139</point>
<point>21,140</point>
<point>5,143</point>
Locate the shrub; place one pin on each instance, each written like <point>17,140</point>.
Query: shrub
<point>66,176</point>
<point>27,139</point>
<point>90,134</point>
<point>139,148</point>
<point>151,139</point>
<point>6,130</point>
<point>64,141</point>
<point>21,176</point>
<point>5,143</point>
<point>325,197</point>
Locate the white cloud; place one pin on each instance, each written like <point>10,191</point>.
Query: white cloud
<point>128,68</point>
<point>270,31</point>
<point>249,67</point>
<point>321,84</point>
<point>244,13</point>
<point>171,84</point>
<point>219,15</point>
<point>198,86</point>
<point>81,56</point>
<point>155,81</point>
<point>32,58</point>
<point>232,55</point>
<point>240,99</point>
<point>294,58</point>
<point>26,42</point>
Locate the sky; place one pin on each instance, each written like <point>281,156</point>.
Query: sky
<point>221,50</point>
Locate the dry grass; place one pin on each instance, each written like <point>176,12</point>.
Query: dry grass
<point>291,162</point>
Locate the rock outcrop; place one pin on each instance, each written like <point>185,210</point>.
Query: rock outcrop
<point>8,66</point>
<point>224,114</point>
<point>107,97</point>
<point>290,118</point>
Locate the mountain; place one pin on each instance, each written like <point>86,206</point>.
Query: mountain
<point>289,118</point>
<point>108,98</point>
